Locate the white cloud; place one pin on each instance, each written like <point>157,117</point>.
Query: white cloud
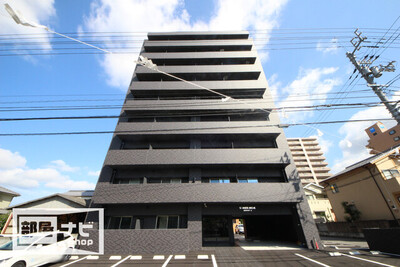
<point>355,135</point>
<point>324,143</point>
<point>36,11</point>
<point>274,85</point>
<point>310,88</point>
<point>15,173</point>
<point>10,160</point>
<point>24,177</point>
<point>330,48</point>
<point>171,15</point>
<point>94,173</point>
<point>62,166</point>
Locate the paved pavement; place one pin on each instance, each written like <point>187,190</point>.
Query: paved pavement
<point>238,257</point>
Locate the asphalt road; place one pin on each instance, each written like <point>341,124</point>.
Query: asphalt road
<point>236,256</point>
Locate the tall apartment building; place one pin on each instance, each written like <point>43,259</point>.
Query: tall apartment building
<point>382,138</point>
<point>184,163</point>
<point>309,159</point>
<point>312,169</point>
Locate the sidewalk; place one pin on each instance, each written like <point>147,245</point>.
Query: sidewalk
<point>344,243</point>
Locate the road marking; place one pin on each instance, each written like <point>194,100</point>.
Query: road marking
<point>114,258</point>
<point>202,257</point>
<point>121,261</point>
<point>136,257</point>
<point>317,262</point>
<point>166,262</point>
<point>355,252</point>
<point>73,258</point>
<point>72,262</point>
<point>361,259</point>
<point>214,261</point>
<point>334,254</point>
<point>93,257</point>
<point>179,257</point>
<point>158,257</point>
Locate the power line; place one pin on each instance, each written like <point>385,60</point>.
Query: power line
<point>288,99</point>
<point>137,106</point>
<point>178,130</point>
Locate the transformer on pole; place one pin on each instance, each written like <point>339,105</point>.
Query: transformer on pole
<point>369,73</point>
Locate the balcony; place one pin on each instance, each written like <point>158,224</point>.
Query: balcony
<point>198,45</point>
<point>126,129</point>
<point>172,88</point>
<point>196,193</point>
<point>123,158</point>
<point>316,170</point>
<point>210,104</point>
<point>306,175</point>
<point>200,72</point>
<point>192,56</point>
<point>157,36</point>
<point>312,148</point>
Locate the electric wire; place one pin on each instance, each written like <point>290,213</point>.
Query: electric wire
<point>178,130</point>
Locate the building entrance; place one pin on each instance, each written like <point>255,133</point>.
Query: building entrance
<point>270,228</point>
<point>217,231</point>
<point>228,230</point>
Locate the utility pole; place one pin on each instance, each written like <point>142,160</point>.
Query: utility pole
<point>369,73</point>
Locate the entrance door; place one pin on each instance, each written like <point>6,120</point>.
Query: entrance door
<point>217,231</point>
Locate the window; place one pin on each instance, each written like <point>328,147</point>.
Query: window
<point>165,180</point>
<point>129,181</point>
<point>125,223</point>
<point>247,180</point>
<point>220,181</point>
<point>392,132</point>
<point>121,222</point>
<point>389,174</point>
<point>167,222</point>
<point>334,188</point>
<point>397,138</point>
<point>114,223</point>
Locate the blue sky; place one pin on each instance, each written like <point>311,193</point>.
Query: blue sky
<point>38,165</point>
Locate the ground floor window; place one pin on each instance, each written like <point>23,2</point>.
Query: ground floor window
<point>167,222</point>
<point>119,222</point>
<point>146,222</point>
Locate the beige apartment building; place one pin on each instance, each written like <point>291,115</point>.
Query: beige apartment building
<point>309,160</point>
<point>381,138</point>
<point>371,187</point>
<point>312,169</point>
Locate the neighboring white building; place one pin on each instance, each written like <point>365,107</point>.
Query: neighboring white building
<point>6,196</point>
<point>319,203</point>
<point>70,199</point>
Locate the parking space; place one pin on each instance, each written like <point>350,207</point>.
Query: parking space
<point>236,256</point>
<point>192,259</point>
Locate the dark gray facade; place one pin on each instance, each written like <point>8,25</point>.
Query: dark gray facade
<point>182,163</point>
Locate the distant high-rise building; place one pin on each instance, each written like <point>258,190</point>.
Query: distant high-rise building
<point>309,159</point>
<point>381,138</point>
<point>185,162</point>
<point>312,169</point>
